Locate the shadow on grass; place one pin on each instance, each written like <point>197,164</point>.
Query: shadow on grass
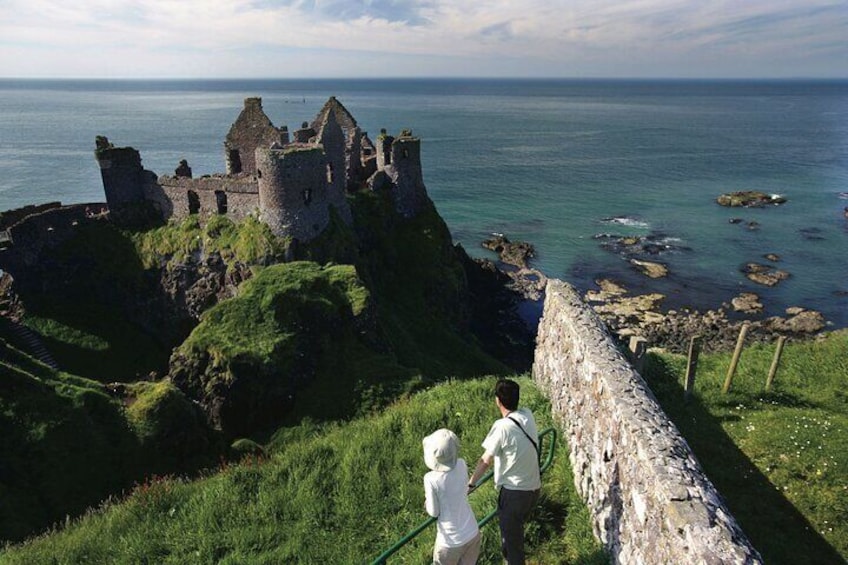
<point>124,352</point>
<point>775,527</point>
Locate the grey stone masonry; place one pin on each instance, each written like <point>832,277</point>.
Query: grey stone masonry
<point>649,499</point>
<point>293,188</point>
<point>251,129</point>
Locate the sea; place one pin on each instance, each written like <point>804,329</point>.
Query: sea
<point>567,165</point>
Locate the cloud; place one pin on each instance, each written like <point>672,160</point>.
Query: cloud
<point>326,37</point>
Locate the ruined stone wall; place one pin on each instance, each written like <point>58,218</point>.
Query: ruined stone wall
<point>239,195</point>
<point>649,499</point>
<point>409,193</point>
<point>39,231</point>
<point>293,197</point>
<point>251,129</point>
<point>12,217</point>
<point>332,139</point>
<point>123,179</point>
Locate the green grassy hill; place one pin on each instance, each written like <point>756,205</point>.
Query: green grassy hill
<point>324,493</point>
<point>368,315</point>
<point>67,443</point>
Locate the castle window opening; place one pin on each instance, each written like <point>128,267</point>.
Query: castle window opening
<point>405,153</point>
<point>221,201</point>
<point>234,158</point>
<point>329,172</point>
<point>307,196</point>
<point>258,174</point>
<point>193,202</point>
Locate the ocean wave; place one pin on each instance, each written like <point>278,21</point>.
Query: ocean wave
<point>626,221</point>
<point>843,195</point>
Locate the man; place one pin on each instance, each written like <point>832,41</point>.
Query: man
<point>512,444</point>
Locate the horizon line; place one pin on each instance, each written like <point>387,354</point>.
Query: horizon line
<point>441,77</point>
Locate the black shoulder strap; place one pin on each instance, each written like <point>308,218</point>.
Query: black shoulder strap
<point>517,423</point>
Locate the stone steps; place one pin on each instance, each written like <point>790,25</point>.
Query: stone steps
<point>31,343</point>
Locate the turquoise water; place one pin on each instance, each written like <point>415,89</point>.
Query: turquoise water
<point>549,162</point>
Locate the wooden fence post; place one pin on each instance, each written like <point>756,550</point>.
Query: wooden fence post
<point>773,370</point>
<point>692,366</point>
<point>638,347</point>
<point>740,341</point>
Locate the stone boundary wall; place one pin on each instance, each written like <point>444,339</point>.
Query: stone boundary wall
<point>649,499</point>
<point>12,217</point>
<point>49,227</point>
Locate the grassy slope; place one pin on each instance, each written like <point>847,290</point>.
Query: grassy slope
<point>779,458</point>
<point>66,444</point>
<point>293,325</point>
<point>418,282</point>
<point>326,494</point>
<point>420,288</point>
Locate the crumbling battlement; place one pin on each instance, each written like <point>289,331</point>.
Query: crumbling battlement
<point>289,185</point>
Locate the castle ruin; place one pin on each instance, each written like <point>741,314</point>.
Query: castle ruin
<point>293,185</point>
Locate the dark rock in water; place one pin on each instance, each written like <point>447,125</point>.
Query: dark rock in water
<point>840,292</point>
<point>763,274</point>
<point>735,220</point>
<point>512,253</point>
<point>811,234</point>
<point>749,199</point>
<point>650,269</point>
<point>634,245</point>
<point>753,225</point>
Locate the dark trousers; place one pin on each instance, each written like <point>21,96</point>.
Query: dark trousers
<point>514,507</point>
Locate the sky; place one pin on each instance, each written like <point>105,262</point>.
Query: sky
<point>423,38</point>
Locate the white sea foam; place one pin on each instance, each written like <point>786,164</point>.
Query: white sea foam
<point>626,221</point>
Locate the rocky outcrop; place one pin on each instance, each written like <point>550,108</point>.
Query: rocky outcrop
<point>643,315</point>
<point>749,199</point>
<point>747,302</point>
<point>204,280</point>
<point>516,253</point>
<point>495,320</point>
<point>650,268</point>
<point>639,245</point>
<point>763,274</point>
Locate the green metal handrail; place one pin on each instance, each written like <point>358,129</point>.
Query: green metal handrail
<point>381,559</point>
